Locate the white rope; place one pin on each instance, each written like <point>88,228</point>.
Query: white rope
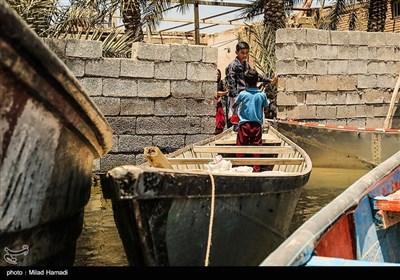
<point>206,261</point>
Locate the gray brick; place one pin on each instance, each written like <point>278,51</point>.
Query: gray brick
<point>83,48</point>
<point>357,122</point>
<point>358,67</point>
<point>358,38</point>
<point>195,138</point>
<point>366,81</point>
<point>137,68</point>
<point>201,72</point>
<point>146,51</point>
<point>385,53</point>
<point>327,83</point>
<point>290,35</point>
<point>137,106</point>
<point>315,98</point>
<point>110,161</point>
<point>168,125</point>
<point>354,98</point>
<point>372,96</point>
<point>108,105</point>
<point>366,52</point>
<point>198,107</point>
<point>186,53</point>
<point>170,70</point>
<point>317,36</point>
<point>317,67</point>
<point>122,125</point>
<point>290,99</point>
<point>154,88</point>
<point>375,122</point>
<point>338,67</point>
<point>334,98</point>
<point>185,89</point>
<point>305,51</point>
<point>392,67</point>
<point>339,37</point>
<point>208,124</point>
<point>284,51</point>
<point>376,67</point>
<point>140,159</point>
<point>346,82</point>
<point>208,90</point>
<point>326,112</point>
<point>96,165</point>
<point>392,39</point>
<point>107,67</point>
<point>284,67</point>
<point>114,148</point>
<point>133,143</point>
<point>301,83</point>
<point>327,52</point>
<point>302,112</point>
<point>93,86</point>
<point>169,143</point>
<point>386,81</point>
<point>119,87</point>
<point>77,66</point>
<point>58,46</point>
<point>376,38</point>
<point>210,55</point>
<point>348,111</point>
<point>361,111</point>
<point>347,52</point>
<point>170,107</point>
<point>380,110</point>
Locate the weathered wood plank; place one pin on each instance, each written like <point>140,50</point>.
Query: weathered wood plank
<point>239,161</point>
<point>244,149</point>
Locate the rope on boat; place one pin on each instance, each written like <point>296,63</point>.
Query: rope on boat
<point>207,258</point>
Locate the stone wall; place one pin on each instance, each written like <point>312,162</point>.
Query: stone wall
<point>338,77</point>
<point>163,96</point>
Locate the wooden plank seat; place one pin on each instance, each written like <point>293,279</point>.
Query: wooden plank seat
<point>389,208</point>
<point>244,149</point>
<point>240,161</point>
<point>232,141</point>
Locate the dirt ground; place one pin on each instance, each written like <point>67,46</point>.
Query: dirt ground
<point>99,243</point>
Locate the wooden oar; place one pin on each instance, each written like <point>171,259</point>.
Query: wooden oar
<point>388,121</point>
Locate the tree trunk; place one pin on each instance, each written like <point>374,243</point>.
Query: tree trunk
<point>377,15</point>
<point>274,14</point>
<point>131,16</point>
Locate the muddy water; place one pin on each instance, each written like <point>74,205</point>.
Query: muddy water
<point>100,245</point>
<point>323,186</point>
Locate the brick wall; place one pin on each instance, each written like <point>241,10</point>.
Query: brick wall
<point>163,96</point>
<point>339,77</point>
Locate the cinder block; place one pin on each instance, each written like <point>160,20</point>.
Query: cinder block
<point>147,51</point>
<point>107,67</point>
<point>170,70</point>
<point>201,72</point>
<point>137,68</point>
<point>186,53</point>
<point>154,88</point>
<point>170,107</point>
<point>120,87</point>
<point>109,106</point>
<point>92,86</point>
<point>189,89</point>
<point>137,106</point>
<point>122,125</point>
<point>83,48</point>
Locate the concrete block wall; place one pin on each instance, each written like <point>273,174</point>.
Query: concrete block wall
<point>163,96</point>
<point>338,77</point>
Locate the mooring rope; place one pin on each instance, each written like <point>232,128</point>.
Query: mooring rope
<point>210,227</point>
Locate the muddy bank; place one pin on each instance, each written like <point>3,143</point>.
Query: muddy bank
<point>99,243</point>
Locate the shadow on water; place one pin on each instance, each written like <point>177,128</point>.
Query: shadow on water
<point>323,186</point>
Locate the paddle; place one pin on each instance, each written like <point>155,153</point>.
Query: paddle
<point>388,121</point>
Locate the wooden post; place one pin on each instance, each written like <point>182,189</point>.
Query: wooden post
<point>196,23</point>
<point>156,158</point>
<point>388,121</point>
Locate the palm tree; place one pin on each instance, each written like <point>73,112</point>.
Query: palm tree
<point>377,15</point>
<point>377,10</point>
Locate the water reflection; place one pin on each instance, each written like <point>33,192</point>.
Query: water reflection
<point>324,185</point>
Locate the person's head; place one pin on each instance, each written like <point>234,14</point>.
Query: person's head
<point>251,77</point>
<point>242,51</point>
<point>218,74</point>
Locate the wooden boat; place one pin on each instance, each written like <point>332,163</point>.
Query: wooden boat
<point>169,217</point>
<point>359,227</point>
<point>50,134</point>
<point>342,146</point>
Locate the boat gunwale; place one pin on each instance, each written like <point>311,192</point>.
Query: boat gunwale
<point>29,46</point>
<point>298,248</point>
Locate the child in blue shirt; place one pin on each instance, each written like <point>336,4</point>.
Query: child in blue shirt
<point>253,103</point>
